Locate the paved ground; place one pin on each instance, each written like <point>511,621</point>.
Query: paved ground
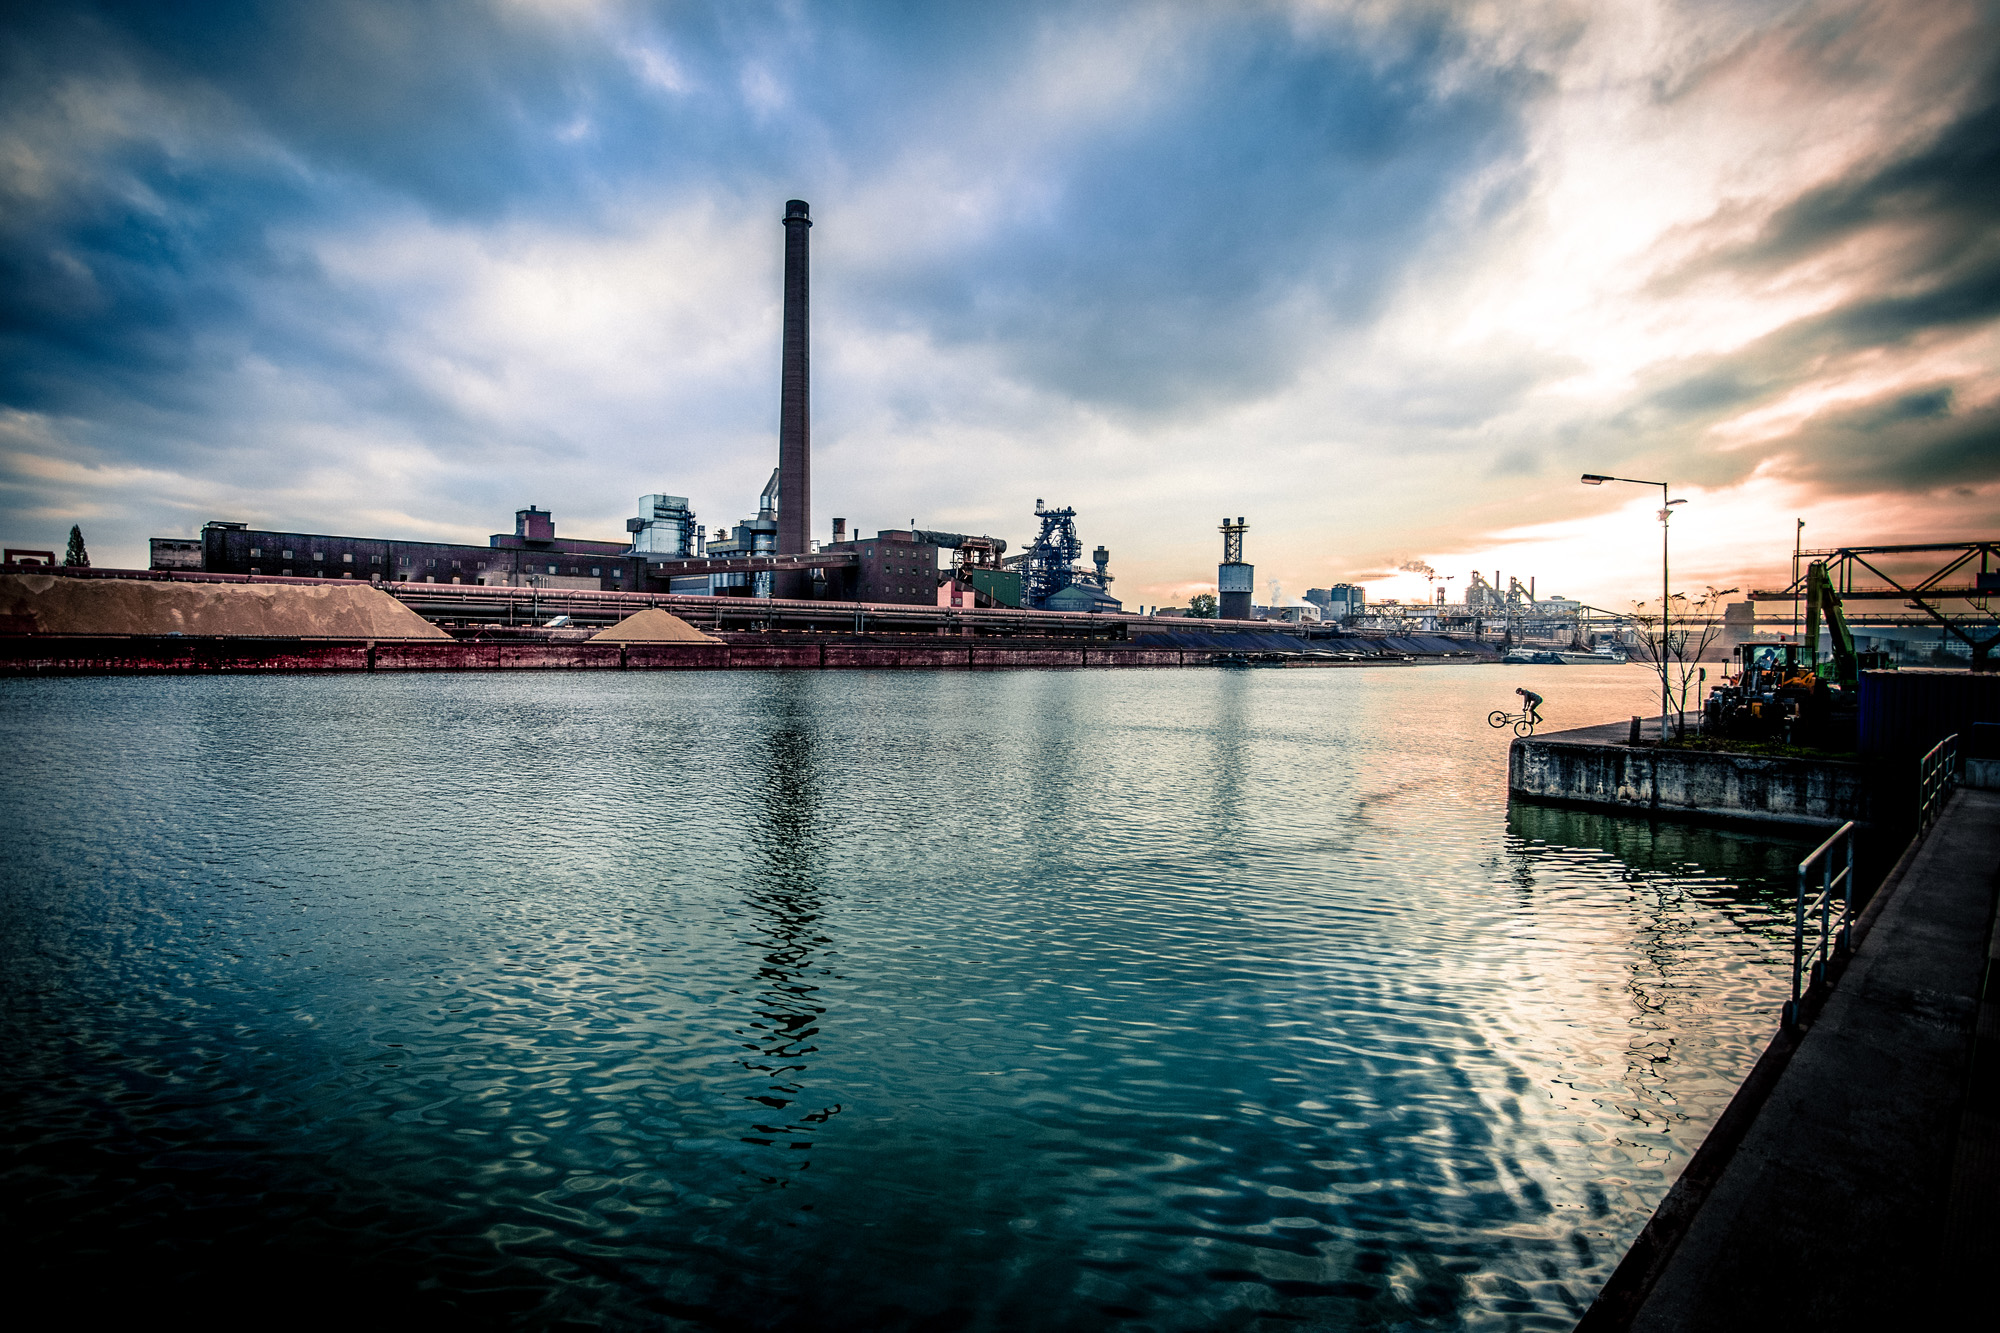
<point>1863,1193</point>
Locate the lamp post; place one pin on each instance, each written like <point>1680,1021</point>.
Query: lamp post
<point>1798,538</point>
<point>1666,597</point>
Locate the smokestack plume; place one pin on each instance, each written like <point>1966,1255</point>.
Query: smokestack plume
<point>795,396</point>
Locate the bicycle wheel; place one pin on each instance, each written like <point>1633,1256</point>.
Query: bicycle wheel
<point>1524,728</point>
<point>1496,718</point>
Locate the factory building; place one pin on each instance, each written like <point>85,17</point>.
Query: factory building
<point>1341,603</point>
<point>896,566</point>
<point>665,528</point>
<point>753,536</point>
<point>1081,597</point>
<point>531,555</point>
<point>175,553</point>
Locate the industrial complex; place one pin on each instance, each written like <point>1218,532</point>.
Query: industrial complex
<point>666,550</point>
<point>773,557</point>
<point>769,574</point>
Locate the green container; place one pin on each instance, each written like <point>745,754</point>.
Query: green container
<point>1002,585</point>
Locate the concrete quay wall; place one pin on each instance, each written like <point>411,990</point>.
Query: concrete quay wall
<point>1595,767</point>
<point>1850,1183</point>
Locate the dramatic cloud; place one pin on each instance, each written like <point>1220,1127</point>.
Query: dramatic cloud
<point>1384,278</point>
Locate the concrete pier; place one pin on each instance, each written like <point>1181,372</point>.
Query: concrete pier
<point>1852,1182</point>
<point>1598,767</point>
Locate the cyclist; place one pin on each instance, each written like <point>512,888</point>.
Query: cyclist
<point>1531,705</point>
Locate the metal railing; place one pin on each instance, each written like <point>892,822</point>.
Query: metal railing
<point>1937,775</point>
<point>1831,943</point>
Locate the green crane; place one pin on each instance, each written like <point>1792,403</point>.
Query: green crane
<point>1821,599</point>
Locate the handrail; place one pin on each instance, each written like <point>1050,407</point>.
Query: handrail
<point>1937,776</point>
<point>1840,941</point>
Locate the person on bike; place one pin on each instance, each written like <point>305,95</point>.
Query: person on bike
<point>1531,704</point>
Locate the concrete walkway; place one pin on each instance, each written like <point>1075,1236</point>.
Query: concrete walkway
<point>1860,1193</point>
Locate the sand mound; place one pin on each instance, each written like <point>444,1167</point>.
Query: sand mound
<point>56,604</point>
<point>653,626</point>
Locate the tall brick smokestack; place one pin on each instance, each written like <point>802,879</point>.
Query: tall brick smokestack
<point>795,401</point>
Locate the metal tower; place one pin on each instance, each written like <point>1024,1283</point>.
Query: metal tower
<point>1049,566</point>
<point>1235,582</point>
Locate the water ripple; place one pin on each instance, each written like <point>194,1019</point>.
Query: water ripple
<point>1175,1000</point>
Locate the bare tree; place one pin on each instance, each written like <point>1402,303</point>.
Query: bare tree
<point>1678,642</point>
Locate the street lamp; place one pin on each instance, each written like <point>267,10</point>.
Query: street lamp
<point>1666,597</point>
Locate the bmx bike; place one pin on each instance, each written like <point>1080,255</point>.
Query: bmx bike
<point>1523,723</point>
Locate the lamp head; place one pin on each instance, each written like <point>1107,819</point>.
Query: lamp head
<point>1593,479</point>
<point>1677,502</point>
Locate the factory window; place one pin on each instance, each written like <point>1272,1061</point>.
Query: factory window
<point>256,551</point>
<point>552,569</point>
<point>430,564</point>
<point>253,569</point>
<point>595,572</point>
<point>617,573</point>
<point>347,559</point>
<point>288,556</point>
<point>403,560</point>
<point>374,559</point>
<point>482,564</point>
<point>319,555</point>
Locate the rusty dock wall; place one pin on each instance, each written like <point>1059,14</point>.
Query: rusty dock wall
<point>56,655</point>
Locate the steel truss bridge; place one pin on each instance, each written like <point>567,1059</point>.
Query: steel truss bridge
<point>1949,584</point>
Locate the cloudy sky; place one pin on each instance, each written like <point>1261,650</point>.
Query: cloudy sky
<point>1382,277</point>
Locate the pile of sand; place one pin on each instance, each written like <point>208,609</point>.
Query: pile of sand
<point>653,626</point>
<point>58,604</point>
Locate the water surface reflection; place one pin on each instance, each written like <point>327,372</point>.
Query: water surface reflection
<point>1072,1000</point>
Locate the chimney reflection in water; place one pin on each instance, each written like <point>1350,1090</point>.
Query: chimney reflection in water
<point>787,902</point>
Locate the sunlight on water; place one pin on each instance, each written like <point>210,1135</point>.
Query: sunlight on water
<point>1072,1000</point>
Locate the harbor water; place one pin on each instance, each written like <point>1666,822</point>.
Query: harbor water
<point>1178,999</point>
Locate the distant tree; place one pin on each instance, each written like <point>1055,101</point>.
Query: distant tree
<point>1678,643</point>
<point>76,557</point>
<point>1202,606</point>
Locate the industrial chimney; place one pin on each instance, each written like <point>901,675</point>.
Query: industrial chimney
<point>795,402</point>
